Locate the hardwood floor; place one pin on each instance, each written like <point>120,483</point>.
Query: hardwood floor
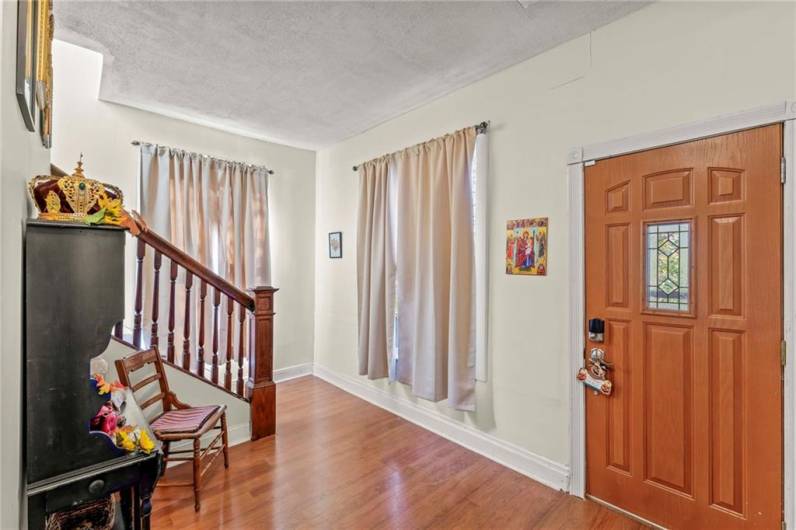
<point>340,462</point>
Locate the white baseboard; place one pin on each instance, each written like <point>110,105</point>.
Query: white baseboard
<point>242,433</point>
<point>239,434</point>
<point>291,372</point>
<point>537,467</point>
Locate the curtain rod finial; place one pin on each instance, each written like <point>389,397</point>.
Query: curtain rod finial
<point>355,168</point>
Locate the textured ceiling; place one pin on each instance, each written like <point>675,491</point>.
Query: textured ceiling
<point>311,73</point>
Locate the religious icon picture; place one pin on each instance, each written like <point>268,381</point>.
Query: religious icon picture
<point>526,247</point>
<point>335,244</point>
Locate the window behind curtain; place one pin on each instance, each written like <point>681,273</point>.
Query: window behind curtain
<point>478,179</point>
<point>479,176</point>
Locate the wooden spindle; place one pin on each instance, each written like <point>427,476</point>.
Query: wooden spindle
<point>230,353</point>
<point>241,335</point>
<point>255,382</point>
<point>139,292</point>
<point>200,353</point>
<point>154,340</point>
<point>186,328</point>
<point>216,303</point>
<point>172,303</point>
<point>118,330</point>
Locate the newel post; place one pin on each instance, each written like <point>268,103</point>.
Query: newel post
<point>260,387</point>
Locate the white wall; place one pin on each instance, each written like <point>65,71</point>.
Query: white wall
<point>21,156</point>
<point>667,64</point>
<point>103,132</point>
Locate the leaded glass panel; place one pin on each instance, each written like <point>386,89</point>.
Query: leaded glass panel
<point>668,255</point>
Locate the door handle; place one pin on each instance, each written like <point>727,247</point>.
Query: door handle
<point>595,376</point>
<point>597,356</point>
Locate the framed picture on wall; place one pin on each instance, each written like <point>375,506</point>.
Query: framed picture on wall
<point>44,70</point>
<point>335,245</point>
<point>27,26</point>
<point>526,247</point>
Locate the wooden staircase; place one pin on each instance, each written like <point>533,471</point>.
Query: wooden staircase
<point>244,367</point>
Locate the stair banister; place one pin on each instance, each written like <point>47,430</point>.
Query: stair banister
<point>156,241</point>
<point>259,389</point>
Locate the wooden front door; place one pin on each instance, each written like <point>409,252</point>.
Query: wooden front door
<point>684,265</point>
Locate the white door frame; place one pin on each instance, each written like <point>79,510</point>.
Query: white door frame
<point>582,156</point>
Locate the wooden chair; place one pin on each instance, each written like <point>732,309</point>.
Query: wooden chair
<point>177,421</point>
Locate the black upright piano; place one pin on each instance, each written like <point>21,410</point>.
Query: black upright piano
<point>74,295</point>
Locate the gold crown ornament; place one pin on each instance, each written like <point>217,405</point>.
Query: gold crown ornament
<point>76,198</point>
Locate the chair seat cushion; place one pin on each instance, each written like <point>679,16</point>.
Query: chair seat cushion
<point>184,420</point>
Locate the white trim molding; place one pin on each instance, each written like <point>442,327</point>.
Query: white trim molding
<point>777,113</point>
<point>577,290</point>
<point>789,333</point>
<point>292,372</point>
<point>539,468</point>
<point>581,156</point>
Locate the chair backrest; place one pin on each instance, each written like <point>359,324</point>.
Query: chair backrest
<point>133,363</point>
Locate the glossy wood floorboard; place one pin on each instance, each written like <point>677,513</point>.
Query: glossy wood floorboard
<point>340,462</point>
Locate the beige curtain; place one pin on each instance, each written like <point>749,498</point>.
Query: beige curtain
<point>434,268</point>
<point>214,210</point>
<point>375,270</point>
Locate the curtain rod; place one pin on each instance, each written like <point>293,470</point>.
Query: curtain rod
<point>480,128</point>
<point>269,171</point>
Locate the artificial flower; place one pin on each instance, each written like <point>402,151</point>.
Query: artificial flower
<point>113,209</point>
<point>145,442</point>
<point>110,212</point>
<point>95,218</point>
<point>104,387</point>
<point>125,440</point>
<point>106,420</point>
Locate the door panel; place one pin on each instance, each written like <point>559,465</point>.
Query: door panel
<point>618,417</point>
<point>668,406</point>
<point>684,264</point>
<point>727,432</point>
<point>726,259</point>
<point>618,237</point>
<point>667,189</point>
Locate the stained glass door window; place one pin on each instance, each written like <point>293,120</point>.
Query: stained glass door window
<point>668,264</point>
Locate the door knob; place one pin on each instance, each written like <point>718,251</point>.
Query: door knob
<point>595,374</point>
<point>597,356</point>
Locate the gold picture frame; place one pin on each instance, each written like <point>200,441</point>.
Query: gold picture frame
<point>27,25</point>
<point>44,70</point>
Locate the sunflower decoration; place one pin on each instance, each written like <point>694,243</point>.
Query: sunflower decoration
<point>111,212</point>
<point>133,439</point>
<point>126,439</point>
<point>145,442</point>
